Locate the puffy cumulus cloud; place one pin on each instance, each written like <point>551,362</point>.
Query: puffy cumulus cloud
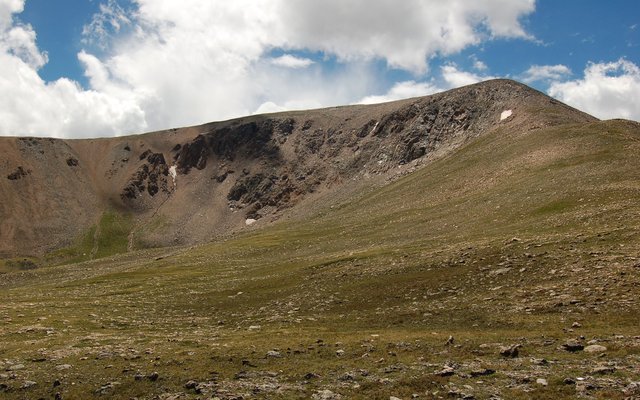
<point>608,90</point>
<point>18,40</point>
<point>188,62</point>
<point>313,87</point>
<point>480,65</point>
<point>450,77</point>
<point>546,73</point>
<point>454,77</point>
<point>403,90</point>
<point>31,106</point>
<point>206,59</point>
<point>290,61</point>
<point>111,19</point>
<point>404,33</point>
<point>7,9</point>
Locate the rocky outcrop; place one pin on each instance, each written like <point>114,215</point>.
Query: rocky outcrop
<point>250,140</point>
<point>150,177</point>
<point>19,173</point>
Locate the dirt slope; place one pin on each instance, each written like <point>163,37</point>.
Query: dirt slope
<point>187,185</point>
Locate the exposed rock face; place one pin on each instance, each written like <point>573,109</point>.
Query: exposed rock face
<point>150,177</point>
<point>249,140</point>
<point>297,156</point>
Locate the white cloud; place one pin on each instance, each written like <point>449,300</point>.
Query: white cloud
<point>608,90</point>
<point>18,40</point>
<point>290,61</point>
<point>479,65</point>
<point>31,106</point>
<point>405,33</point>
<point>188,62</point>
<point>110,20</point>
<point>403,90</point>
<point>546,73</point>
<point>450,77</point>
<point>269,107</point>
<point>455,77</point>
<point>7,9</point>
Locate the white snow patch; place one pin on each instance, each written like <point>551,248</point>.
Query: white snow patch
<point>374,128</point>
<point>174,173</point>
<point>506,114</point>
<point>250,221</point>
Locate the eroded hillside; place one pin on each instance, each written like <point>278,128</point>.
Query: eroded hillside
<point>188,185</point>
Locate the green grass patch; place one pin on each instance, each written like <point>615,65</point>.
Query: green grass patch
<point>108,237</point>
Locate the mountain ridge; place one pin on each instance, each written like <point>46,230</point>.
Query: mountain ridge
<point>197,182</point>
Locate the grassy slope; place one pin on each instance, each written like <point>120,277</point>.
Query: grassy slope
<point>111,238</point>
<point>509,240</point>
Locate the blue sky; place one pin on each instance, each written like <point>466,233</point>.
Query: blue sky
<point>87,68</point>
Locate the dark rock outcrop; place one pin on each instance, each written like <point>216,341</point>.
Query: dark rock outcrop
<point>19,173</point>
<point>150,177</point>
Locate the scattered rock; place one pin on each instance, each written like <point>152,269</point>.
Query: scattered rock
<point>499,271</point>
<point>28,384</point>
<point>542,381</point>
<point>455,393</point>
<point>72,162</point>
<point>393,368</point>
<point>244,375</point>
<point>446,371</point>
<point>153,376</point>
<point>311,375</point>
<point>595,348</point>
<point>572,345</point>
<point>632,389</point>
<point>603,370</point>
<point>63,367</point>
<point>449,341</point>
<point>483,372</point>
<point>339,353</point>
<point>15,367</point>
<point>510,351</point>
<point>106,388</point>
<point>273,354</point>
<point>248,363</point>
<point>576,325</point>
<point>325,395</point>
<point>191,385</point>
<point>346,377</point>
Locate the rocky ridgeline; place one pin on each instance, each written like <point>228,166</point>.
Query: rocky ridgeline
<point>247,168</point>
<point>275,161</point>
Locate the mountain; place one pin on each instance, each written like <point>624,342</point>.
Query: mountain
<point>476,244</point>
<point>185,186</point>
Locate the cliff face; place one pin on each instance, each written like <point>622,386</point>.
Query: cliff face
<point>186,185</point>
